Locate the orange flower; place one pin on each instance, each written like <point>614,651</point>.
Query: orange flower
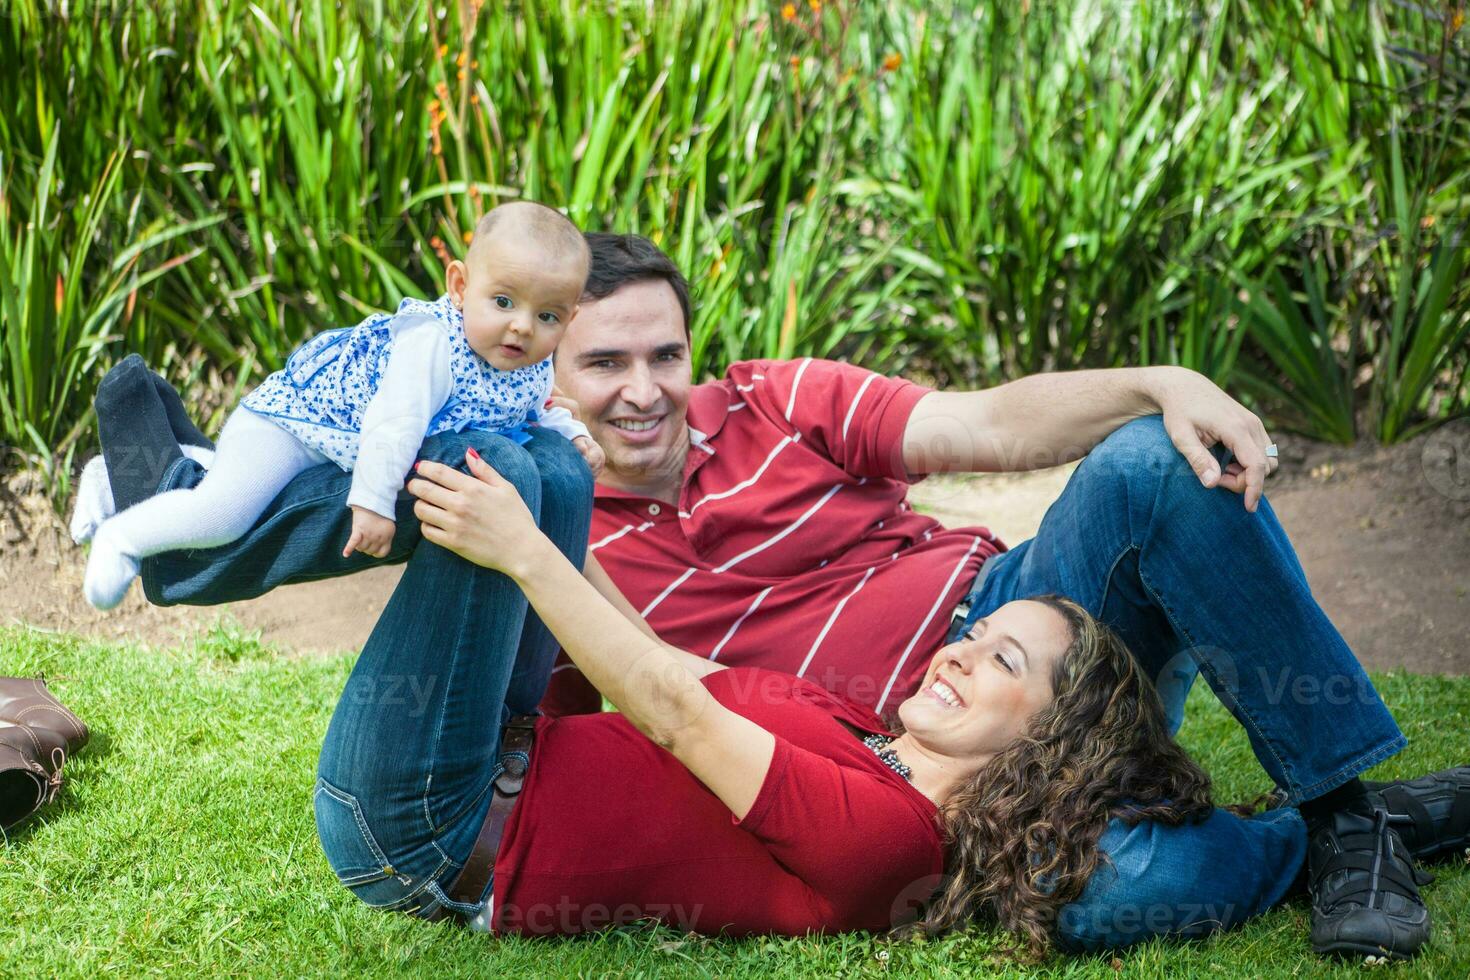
<point>816,6</point>
<point>795,63</point>
<point>443,50</point>
<point>1457,20</point>
<point>788,12</point>
<point>459,60</point>
<point>468,236</point>
<point>474,98</point>
<point>892,62</point>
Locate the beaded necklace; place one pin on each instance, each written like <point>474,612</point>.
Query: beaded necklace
<point>888,756</point>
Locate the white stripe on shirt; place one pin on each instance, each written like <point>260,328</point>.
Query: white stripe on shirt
<point>665,593</point>
<point>785,531</point>
<point>796,383</point>
<point>800,671</point>
<point>736,625</point>
<point>618,534</point>
<point>722,494</point>
<point>925,624</point>
<point>853,407</point>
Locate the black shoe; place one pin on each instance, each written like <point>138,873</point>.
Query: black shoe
<point>1431,813</point>
<point>1365,894</point>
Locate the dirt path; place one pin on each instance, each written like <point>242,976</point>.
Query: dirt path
<point>1384,536</point>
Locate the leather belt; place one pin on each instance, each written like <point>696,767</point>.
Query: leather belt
<point>515,754</point>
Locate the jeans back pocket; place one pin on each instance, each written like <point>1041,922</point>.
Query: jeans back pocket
<point>355,857</point>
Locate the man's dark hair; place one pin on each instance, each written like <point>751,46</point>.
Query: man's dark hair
<point>618,260</point>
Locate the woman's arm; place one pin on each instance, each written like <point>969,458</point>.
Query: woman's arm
<point>593,571</point>
<point>484,520</point>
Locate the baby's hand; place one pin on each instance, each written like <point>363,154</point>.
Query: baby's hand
<point>372,533</point>
<point>592,453</point>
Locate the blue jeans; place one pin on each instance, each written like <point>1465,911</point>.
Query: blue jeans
<point>412,749</point>
<point>1197,585</point>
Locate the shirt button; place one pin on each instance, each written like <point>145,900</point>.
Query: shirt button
<point>654,509</point>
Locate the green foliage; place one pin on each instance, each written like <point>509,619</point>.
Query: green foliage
<point>1272,194</point>
<point>183,843</point>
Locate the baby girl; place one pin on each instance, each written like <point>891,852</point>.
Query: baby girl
<point>365,397</point>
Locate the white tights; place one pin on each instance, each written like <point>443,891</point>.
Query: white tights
<point>253,462</point>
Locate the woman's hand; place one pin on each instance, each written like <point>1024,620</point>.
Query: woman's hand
<point>479,517</point>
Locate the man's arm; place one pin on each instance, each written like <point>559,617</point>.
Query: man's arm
<point>1049,419</point>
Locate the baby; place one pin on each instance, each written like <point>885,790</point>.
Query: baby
<point>365,397</point>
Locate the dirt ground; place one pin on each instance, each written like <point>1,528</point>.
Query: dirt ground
<point>1383,533</point>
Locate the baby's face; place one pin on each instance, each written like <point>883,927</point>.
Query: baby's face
<point>517,299</point>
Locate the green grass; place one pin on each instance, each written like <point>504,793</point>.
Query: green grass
<point>183,842</point>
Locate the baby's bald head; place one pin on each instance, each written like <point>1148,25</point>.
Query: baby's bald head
<point>520,284</point>
<point>534,224</point>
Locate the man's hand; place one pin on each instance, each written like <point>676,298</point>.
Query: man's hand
<point>592,453</point>
<point>1197,415</point>
<point>372,533</point>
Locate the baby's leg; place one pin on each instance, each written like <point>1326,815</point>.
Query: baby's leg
<point>253,462</point>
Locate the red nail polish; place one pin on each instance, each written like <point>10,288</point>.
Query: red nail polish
<point>417,464</point>
<point>472,452</point>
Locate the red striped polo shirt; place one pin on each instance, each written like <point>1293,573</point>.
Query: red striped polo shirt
<point>793,546</point>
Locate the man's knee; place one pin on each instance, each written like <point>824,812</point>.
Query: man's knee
<point>1141,455</point>
<point>1137,449</point>
<point>564,474</point>
<point>507,458</point>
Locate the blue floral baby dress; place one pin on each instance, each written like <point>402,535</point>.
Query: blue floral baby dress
<point>324,389</point>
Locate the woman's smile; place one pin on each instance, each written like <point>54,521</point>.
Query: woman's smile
<point>944,693</point>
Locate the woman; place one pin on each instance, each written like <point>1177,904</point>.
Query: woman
<point>719,800</point>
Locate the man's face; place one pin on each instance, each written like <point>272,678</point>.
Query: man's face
<point>626,362</point>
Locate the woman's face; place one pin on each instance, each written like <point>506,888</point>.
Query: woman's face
<point>980,692</point>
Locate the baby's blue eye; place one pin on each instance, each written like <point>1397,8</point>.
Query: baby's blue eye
<point>503,301</point>
<point>549,317</point>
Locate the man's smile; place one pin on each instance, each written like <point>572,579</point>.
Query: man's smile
<point>638,429</point>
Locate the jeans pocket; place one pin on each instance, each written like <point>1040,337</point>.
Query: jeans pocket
<point>355,857</point>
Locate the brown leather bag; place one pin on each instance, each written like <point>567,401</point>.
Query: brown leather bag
<point>37,733</point>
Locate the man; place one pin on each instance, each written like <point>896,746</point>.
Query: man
<point>761,519</point>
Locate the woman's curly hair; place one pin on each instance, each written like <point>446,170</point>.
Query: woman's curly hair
<point>1021,834</point>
